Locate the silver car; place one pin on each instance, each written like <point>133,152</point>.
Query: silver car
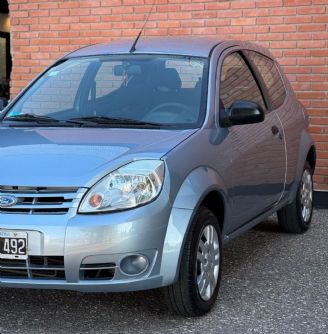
<point>127,169</point>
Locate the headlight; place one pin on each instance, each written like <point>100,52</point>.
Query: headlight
<point>132,185</point>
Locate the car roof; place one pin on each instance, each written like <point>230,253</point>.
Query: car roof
<point>200,47</point>
<point>188,46</point>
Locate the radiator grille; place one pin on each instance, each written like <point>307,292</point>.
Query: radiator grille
<point>41,200</point>
<point>35,267</point>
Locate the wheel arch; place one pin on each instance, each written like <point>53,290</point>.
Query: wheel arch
<point>203,186</point>
<point>311,157</point>
<point>214,202</point>
<point>306,152</point>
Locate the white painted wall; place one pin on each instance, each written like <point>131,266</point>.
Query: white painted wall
<point>4,22</point>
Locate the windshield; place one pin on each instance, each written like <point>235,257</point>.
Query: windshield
<point>133,90</point>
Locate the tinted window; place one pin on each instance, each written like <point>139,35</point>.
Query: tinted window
<point>238,83</point>
<point>164,90</point>
<point>56,91</point>
<point>271,78</point>
<point>188,73</point>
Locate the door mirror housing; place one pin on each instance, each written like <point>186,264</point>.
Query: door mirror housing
<point>242,112</point>
<point>3,103</point>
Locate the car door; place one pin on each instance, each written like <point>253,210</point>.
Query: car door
<point>258,159</point>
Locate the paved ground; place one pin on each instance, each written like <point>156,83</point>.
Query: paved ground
<point>272,283</point>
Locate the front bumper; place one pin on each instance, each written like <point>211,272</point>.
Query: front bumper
<point>91,286</point>
<point>93,240</point>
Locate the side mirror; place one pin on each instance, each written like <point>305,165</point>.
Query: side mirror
<point>242,112</point>
<point>3,103</point>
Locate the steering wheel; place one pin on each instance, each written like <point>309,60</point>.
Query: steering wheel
<point>181,113</point>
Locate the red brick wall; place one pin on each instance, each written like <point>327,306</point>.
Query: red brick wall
<point>296,31</point>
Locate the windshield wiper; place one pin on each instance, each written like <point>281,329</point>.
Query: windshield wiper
<point>103,120</point>
<point>40,120</point>
<point>88,121</point>
<point>31,118</point>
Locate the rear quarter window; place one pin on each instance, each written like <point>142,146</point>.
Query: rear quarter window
<point>271,78</point>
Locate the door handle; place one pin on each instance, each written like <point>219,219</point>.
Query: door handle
<point>275,131</point>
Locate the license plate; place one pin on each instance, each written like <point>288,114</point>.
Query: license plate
<point>13,245</point>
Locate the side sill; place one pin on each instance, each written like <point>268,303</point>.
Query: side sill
<point>244,228</point>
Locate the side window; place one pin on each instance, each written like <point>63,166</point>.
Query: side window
<point>238,83</point>
<point>271,77</point>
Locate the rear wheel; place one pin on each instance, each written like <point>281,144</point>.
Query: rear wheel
<point>296,217</point>
<point>196,289</point>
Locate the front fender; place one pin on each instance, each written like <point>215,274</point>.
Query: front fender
<point>193,190</point>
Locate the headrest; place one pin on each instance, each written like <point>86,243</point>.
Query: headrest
<point>167,80</point>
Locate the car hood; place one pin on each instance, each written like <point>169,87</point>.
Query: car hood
<point>76,157</point>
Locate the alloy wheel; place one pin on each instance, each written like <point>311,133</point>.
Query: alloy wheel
<point>306,195</point>
<point>208,262</point>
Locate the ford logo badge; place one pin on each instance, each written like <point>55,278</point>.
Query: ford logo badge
<point>7,201</point>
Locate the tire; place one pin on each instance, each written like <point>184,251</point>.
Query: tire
<point>296,217</point>
<point>184,296</point>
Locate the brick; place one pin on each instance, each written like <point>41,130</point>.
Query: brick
<point>320,35</point>
<point>217,6</point>
<point>242,4</point>
<point>48,19</point>
<point>312,27</point>
<point>256,29</point>
<point>39,13</point>
<point>255,12</point>
<point>282,11</point>
<point>311,10</point>
<point>168,24</point>
<point>179,31</point>
<point>168,8</point>
<point>69,4</point>
<point>24,7</point>
<point>311,44</point>
<point>311,61</point>
<point>192,6</point>
<point>229,30</point>
<point>282,28</point>
<point>91,4</point>
<point>47,5</point>
<point>217,22</point>
<point>297,19</point>
<point>88,19</point>
<point>243,21</point>
<point>99,11</point>
<point>283,45</point>
<point>204,31</point>
<point>79,11</point>
<point>269,20</point>
<point>204,14</point>
<point>178,16</point>
<point>269,3</point>
<point>297,2</point>
<point>319,53</point>
<point>320,19</point>
<point>299,36</point>
<point>270,37</point>
<point>192,23</point>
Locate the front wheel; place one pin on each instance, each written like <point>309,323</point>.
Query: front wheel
<point>296,217</point>
<point>196,289</point>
